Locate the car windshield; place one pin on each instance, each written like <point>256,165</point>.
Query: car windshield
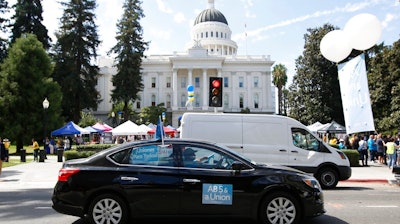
<point>236,153</point>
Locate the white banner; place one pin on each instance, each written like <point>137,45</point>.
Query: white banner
<point>355,96</point>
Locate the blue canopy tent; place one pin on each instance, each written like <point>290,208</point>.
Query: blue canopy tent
<point>70,129</point>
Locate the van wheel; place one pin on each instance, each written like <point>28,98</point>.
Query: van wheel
<point>108,208</point>
<point>328,178</point>
<point>279,207</point>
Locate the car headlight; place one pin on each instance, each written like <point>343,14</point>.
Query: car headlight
<point>312,182</point>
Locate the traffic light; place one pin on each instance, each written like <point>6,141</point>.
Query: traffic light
<point>215,92</point>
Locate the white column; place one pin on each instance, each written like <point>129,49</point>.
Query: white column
<point>205,90</point>
<point>175,89</point>
<point>190,77</point>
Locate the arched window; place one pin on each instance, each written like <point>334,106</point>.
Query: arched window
<point>256,100</point>
<point>153,100</point>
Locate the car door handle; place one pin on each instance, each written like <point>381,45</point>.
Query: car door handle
<point>282,150</point>
<point>191,181</point>
<point>294,151</point>
<point>129,178</point>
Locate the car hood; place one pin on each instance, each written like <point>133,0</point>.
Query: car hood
<point>279,167</point>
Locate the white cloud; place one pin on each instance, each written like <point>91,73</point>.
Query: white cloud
<point>179,17</point>
<point>163,8</point>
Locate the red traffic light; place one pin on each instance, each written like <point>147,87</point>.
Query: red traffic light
<point>216,83</point>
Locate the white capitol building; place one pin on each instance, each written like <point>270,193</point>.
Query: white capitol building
<point>247,79</point>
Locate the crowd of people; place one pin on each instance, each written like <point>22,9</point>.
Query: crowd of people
<point>373,148</point>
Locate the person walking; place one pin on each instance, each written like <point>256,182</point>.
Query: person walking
<point>391,152</point>
<point>35,146</point>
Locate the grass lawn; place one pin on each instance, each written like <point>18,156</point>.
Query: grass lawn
<point>15,159</point>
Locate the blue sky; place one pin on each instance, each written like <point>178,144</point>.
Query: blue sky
<point>274,28</point>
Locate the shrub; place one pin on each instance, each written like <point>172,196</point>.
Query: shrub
<point>353,156</point>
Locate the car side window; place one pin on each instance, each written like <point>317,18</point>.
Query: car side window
<point>151,155</point>
<point>304,139</point>
<point>195,156</point>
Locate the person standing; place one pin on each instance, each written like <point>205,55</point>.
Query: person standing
<point>391,152</point>
<point>6,143</point>
<point>2,154</point>
<point>363,151</point>
<point>372,147</point>
<point>35,146</point>
<point>380,148</point>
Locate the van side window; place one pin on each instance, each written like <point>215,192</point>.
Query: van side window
<point>304,139</point>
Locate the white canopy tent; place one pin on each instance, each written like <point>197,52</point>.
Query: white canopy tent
<point>128,128</point>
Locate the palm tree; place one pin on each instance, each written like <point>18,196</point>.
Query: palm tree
<point>279,80</point>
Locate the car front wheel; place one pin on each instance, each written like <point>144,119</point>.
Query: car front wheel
<point>280,207</point>
<point>108,208</point>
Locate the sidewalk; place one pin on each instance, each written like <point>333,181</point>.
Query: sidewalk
<point>31,175</point>
<point>35,175</point>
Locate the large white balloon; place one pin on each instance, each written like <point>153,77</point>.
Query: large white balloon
<point>335,46</point>
<point>364,30</point>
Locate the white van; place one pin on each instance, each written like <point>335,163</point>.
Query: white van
<point>271,139</point>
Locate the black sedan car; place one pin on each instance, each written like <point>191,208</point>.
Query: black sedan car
<point>182,178</point>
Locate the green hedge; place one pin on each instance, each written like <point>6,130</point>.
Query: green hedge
<point>353,155</point>
<point>83,151</point>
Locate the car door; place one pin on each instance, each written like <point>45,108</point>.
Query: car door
<point>211,187</point>
<point>151,180</point>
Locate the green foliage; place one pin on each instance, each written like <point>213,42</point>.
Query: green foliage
<point>74,154</point>
<point>75,51</point>
<point>315,92</point>
<point>87,119</point>
<point>24,83</point>
<point>118,118</point>
<point>3,26</point>
<point>353,155</point>
<point>384,86</point>
<point>151,114</point>
<point>28,19</point>
<point>129,50</point>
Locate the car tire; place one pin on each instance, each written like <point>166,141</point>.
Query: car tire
<point>108,208</point>
<point>328,178</point>
<point>280,207</point>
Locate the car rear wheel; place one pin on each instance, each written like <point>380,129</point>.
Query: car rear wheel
<point>280,207</point>
<point>108,208</point>
<point>328,178</point>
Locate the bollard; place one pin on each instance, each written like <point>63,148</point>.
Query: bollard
<point>60,154</point>
<point>23,155</point>
<point>41,155</point>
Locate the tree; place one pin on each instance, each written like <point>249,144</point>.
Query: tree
<point>3,42</point>
<point>383,76</point>
<point>129,50</point>
<point>24,83</point>
<point>75,50</point>
<point>315,91</point>
<point>279,80</point>
<point>150,114</point>
<point>28,19</point>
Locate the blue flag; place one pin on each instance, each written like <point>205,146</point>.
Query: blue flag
<point>160,134</point>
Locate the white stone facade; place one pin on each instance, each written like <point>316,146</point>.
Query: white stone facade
<point>246,79</point>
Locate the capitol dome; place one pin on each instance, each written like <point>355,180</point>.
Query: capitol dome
<point>211,31</point>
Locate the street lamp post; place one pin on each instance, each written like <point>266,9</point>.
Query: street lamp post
<point>46,105</point>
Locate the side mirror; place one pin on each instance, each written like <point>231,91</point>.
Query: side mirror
<point>237,166</point>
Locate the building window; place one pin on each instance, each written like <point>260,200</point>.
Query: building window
<point>256,82</point>
<point>222,36</point>
<point>226,100</point>
<point>216,34</point>
<point>168,101</point>
<point>153,82</point>
<point>212,34</point>
<point>153,100</point>
<point>197,82</point>
<point>197,100</point>
<point>241,80</point>
<point>256,100</point>
<point>226,82</point>
<point>168,82</point>
<point>206,34</point>
<point>241,101</point>
<point>138,104</point>
<point>201,35</point>
<point>183,82</point>
<point>183,100</point>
